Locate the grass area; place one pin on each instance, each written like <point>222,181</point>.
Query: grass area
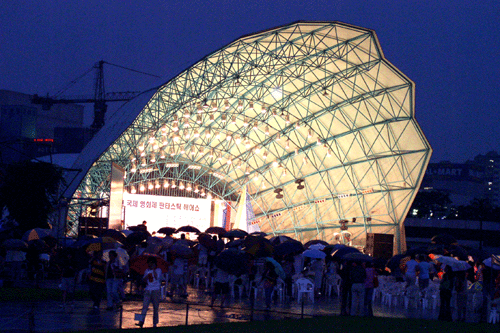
<point>324,324</point>
<point>23,294</point>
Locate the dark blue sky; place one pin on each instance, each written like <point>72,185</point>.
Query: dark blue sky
<point>450,49</point>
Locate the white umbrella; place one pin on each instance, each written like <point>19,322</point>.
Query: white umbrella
<point>123,256</point>
<point>314,253</point>
<point>455,264</point>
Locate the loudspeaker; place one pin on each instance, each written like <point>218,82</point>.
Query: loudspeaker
<point>379,245</point>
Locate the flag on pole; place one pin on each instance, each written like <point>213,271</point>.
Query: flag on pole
<point>245,214</point>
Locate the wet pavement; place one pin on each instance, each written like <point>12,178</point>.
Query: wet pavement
<point>50,316</point>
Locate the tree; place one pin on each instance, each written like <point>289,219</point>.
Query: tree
<point>428,203</point>
<point>28,190</point>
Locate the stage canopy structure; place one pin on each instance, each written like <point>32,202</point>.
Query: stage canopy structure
<point>310,117</point>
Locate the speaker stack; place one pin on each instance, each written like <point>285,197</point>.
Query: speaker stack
<point>379,245</point>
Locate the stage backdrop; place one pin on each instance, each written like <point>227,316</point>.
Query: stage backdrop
<point>161,211</point>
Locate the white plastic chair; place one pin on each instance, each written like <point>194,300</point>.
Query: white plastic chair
<point>200,275</point>
<point>304,287</point>
<point>494,316</point>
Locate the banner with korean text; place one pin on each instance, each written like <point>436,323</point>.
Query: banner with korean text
<point>162,211</point>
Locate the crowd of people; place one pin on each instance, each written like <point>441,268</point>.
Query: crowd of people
<point>107,275</point>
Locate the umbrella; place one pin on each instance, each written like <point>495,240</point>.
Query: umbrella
<point>182,251</point>
<point>137,237</point>
<point>140,263</point>
<point>166,231</point>
<point>15,244</point>
<point>280,239</point>
<point>127,232</point>
<point>37,233</point>
<point>458,251</point>
<point>258,246</point>
<point>50,240</point>
<point>207,241</point>
<point>445,239</point>
<point>235,233</point>
<point>277,267</point>
<point>357,256</point>
<point>456,265</point>
<point>417,250</point>
<point>123,256</point>
<point>67,241</point>
<point>314,253</point>
<point>339,253</point>
<point>38,245</point>
<point>116,234</point>
<point>216,230</point>
<point>154,245</point>
<point>316,247</point>
<point>232,261</point>
<point>258,234</point>
<point>188,228</point>
<point>102,243</point>
<point>395,261</point>
<point>289,248</point>
<point>493,262</point>
<point>329,249</point>
<point>315,241</point>
<point>235,243</point>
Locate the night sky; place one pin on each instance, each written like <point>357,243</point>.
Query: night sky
<point>450,49</point>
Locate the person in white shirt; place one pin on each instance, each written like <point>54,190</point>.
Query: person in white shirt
<point>152,277</point>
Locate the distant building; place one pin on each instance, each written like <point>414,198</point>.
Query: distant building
<point>464,182</point>
<point>28,131</point>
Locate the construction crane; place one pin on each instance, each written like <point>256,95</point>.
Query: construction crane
<point>99,99</point>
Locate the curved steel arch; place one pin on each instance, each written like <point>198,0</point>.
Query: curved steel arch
<point>315,101</point>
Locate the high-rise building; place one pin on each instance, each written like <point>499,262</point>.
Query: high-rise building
<point>28,131</point>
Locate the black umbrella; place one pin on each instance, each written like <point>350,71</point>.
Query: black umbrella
<point>233,261</point>
<point>15,244</point>
<point>187,228</point>
<point>445,239</point>
<point>137,237</point>
<point>315,241</point>
<point>395,261</point>
<point>235,233</point>
<point>357,256</point>
<point>258,234</point>
<point>235,243</point>
<point>38,245</point>
<point>339,253</point>
<point>458,251</point>
<point>280,239</point>
<point>292,247</point>
<point>216,230</point>
<point>167,231</point>
<point>207,241</point>
<point>417,250</point>
<point>182,251</point>
<point>258,246</point>
<point>118,235</point>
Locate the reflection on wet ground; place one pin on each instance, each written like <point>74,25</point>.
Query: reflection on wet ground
<point>50,316</point>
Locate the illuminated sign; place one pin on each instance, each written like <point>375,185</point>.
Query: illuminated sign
<point>162,211</point>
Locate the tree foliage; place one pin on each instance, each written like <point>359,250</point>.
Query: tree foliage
<point>28,189</point>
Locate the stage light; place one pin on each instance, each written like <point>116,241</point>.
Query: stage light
<point>181,186</point>
<point>240,105</point>
<point>157,184</point>
<point>142,188</point>
<point>173,184</point>
<point>133,190</point>
<point>165,183</point>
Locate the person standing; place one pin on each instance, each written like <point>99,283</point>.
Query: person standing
<point>221,286</point>
<point>269,279</point>
<point>461,289</point>
<point>445,293</point>
<point>423,271</point>
<point>411,271</point>
<point>371,275</point>
<point>358,277</point>
<point>345,288</point>
<point>97,281</point>
<point>68,274</point>
<point>151,277</point>
<point>114,274</point>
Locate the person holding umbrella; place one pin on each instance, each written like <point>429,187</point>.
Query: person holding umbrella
<point>269,279</point>
<point>152,277</point>
<point>97,281</point>
<point>221,286</point>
